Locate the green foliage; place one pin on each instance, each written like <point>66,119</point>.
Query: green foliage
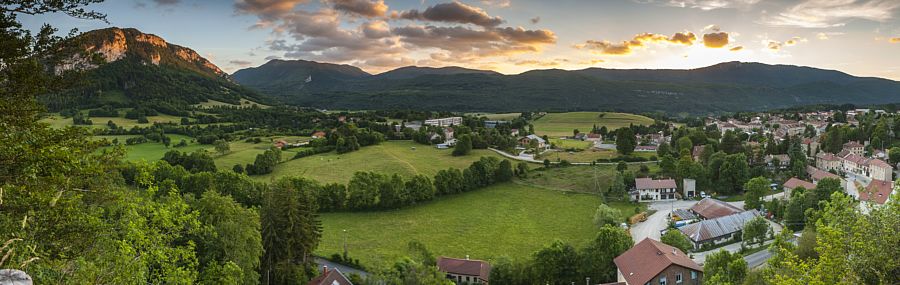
<point>198,161</point>
<point>463,145</point>
<point>677,239</point>
<point>755,189</point>
<point>229,236</point>
<point>733,173</point>
<point>723,267</point>
<point>265,162</point>
<point>625,141</point>
<point>222,146</point>
<point>607,216</point>
<point>755,230</point>
<point>597,257</point>
<point>290,230</point>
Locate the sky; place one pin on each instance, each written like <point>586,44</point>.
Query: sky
<point>859,37</point>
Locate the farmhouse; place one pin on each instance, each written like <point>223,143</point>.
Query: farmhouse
<point>330,277</point>
<point>718,230</point>
<point>542,144</point>
<point>465,271</point>
<point>318,135</point>
<point>444,122</point>
<point>710,208</point>
<point>648,189</point>
<point>653,262</point>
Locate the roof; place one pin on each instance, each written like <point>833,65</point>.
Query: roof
<point>710,208</point>
<point>649,183</point>
<point>795,182</point>
<point>818,174</point>
<point>535,137</point>
<point>645,147</point>
<point>648,258</point>
<point>853,144</point>
<point>879,163</point>
<point>827,156</point>
<point>330,277</point>
<point>878,192</point>
<point>711,229</point>
<point>468,267</point>
<point>684,214</point>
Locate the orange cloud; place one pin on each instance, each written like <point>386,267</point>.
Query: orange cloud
<point>639,40</point>
<point>894,40</point>
<point>737,48</point>
<point>715,40</point>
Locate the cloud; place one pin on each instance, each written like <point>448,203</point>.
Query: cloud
<point>828,35</point>
<point>240,63</point>
<point>715,40</point>
<point>454,12</point>
<point>705,5</point>
<point>266,9</point>
<point>541,63</point>
<point>833,13</point>
<point>794,41</point>
<point>166,2</point>
<point>464,42</point>
<point>273,57</point>
<point>894,40</point>
<point>773,45</point>
<point>376,29</point>
<point>737,48</point>
<point>365,8</point>
<point>496,3</point>
<point>638,41</point>
<point>535,20</point>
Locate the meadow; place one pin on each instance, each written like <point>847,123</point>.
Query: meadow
<point>591,155</point>
<point>57,121</point>
<point>152,151</point>
<point>502,220</point>
<point>562,124</point>
<point>402,157</point>
<point>584,179</point>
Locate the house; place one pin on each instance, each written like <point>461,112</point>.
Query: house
<point>784,160</point>
<point>645,148</point>
<point>877,193</point>
<point>580,136</point>
<point>653,262</point>
<point>827,161</point>
<point>809,146</point>
<point>710,208</point>
<point>594,137</point>
<point>279,143</point>
<point>718,230</point>
<point>795,183</point>
<point>689,187</point>
<point>526,141</point>
<point>448,133</point>
<point>465,271</point>
<point>494,124</point>
<point>648,189</point>
<point>514,132</point>
<point>817,174</point>
<point>318,135</point>
<point>854,147</point>
<point>444,122</point>
<point>330,277</point>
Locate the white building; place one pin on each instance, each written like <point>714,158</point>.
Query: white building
<point>648,189</point>
<point>445,122</point>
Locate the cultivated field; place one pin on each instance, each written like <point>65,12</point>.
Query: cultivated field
<point>502,220</point>
<point>562,124</point>
<point>403,157</point>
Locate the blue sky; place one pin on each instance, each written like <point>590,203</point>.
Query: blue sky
<point>860,37</point>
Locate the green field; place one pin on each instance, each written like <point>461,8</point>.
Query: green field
<point>388,157</point>
<point>591,155</point>
<point>244,103</point>
<point>498,116</point>
<point>152,151</point>
<point>502,220</point>
<point>244,153</point>
<point>567,143</point>
<point>562,124</point>
<point>586,179</point>
<point>57,121</point>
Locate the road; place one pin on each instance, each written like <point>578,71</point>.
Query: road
<point>532,160</point>
<point>343,268</point>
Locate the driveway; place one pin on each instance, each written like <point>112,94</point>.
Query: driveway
<point>658,221</point>
<point>343,268</point>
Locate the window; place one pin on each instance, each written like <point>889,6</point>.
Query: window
<point>662,280</point>
<point>693,275</point>
<point>678,278</point>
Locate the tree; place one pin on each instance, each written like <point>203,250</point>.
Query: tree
<point>733,174</point>
<point>522,169</point>
<point>617,190</point>
<point>723,267</point>
<point>230,234</point>
<point>755,189</point>
<point>607,216</point>
<point>621,166</point>
<point>556,264</point>
<point>685,144</point>
<point>222,146</point>
<point>596,259</point>
<point>755,230</point>
<point>290,230</point>
<point>463,145</point>
<point>677,239</point>
<point>625,141</point>
<point>546,163</point>
<point>806,244</point>
<point>504,171</point>
<point>894,155</point>
<point>827,187</point>
<point>667,166</point>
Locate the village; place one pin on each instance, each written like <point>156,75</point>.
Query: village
<point>678,204</point>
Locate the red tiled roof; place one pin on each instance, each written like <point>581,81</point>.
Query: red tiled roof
<point>710,208</point>
<point>468,267</point>
<point>853,144</point>
<point>795,182</point>
<point>330,277</point>
<point>648,258</point>
<point>879,163</point>
<point>878,191</point>
<point>649,183</point>
<point>818,174</point>
<point>827,156</point>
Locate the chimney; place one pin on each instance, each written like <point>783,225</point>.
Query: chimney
<point>324,269</point>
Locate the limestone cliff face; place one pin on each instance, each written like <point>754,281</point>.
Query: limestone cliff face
<point>114,44</point>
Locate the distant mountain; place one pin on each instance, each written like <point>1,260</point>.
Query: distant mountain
<point>416,71</point>
<point>730,86</point>
<point>129,68</point>
<point>278,76</point>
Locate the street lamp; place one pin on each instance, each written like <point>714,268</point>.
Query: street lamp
<point>345,243</point>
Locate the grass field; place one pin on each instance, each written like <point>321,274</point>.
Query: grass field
<point>244,103</point>
<point>498,116</point>
<point>562,124</point>
<point>586,179</point>
<point>502,220</point>
<point>388,157</point>
<point>152,151</point>
<point>57,121</point>
<point>244,153</point>
<point>577,144</point>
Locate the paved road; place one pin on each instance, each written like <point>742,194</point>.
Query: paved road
<point>343,268</point>
<point>529,159</point>
<point>657,222</point>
